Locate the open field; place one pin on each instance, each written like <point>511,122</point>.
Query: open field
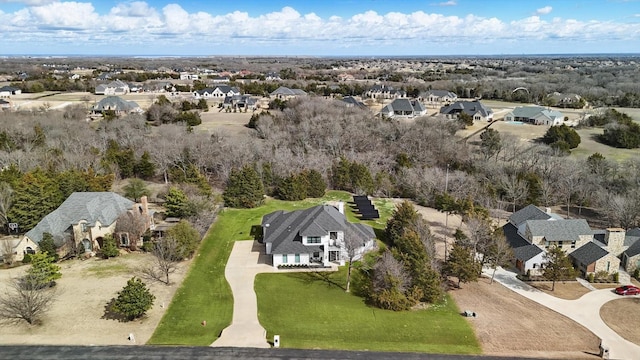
<point>326,317</point>
<point>230,124</point>
<point>623,316</point>
<point>77,317</point>
<point>511,325</point>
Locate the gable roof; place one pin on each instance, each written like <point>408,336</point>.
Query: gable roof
<point>522,249</point>
<point>468,107</point>
<point>529,212</point>
<point>442,93</point>
<point>284,230</point>
<point>104,207</point>
<point>588,253</point>
<point>633,250</point>
<point>226,89</point>
<point>537,113</point>
<point>562,230</point>
<point>115,103</point>
<point>403,105</point>
<point>283,90</point>
<point>353,101</point>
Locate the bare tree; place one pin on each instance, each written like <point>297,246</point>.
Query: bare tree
<point>353,243</point>
<point>27,303</point>
<point>479,235</point>
<point>133,223</point>
<point>165,262</point>
<point>6,249</point>
<point>499,252</point>
<point>389,272</point>
<point>623,209</point>
<point>6,200</point>
<point>514,188</point>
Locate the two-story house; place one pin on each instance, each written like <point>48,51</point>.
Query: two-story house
<point>313,236</point>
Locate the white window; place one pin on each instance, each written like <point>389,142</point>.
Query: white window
<point>124,239</point>
<point>285,258</point>
<point>313,240</point>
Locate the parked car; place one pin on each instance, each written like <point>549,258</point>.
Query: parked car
<point>628,290</point>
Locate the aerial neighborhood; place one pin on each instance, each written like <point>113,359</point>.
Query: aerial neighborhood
<point>293,202</point>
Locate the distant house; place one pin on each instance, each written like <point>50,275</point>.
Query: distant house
<point>84,218</point>
<point>5,105</point>
<point>116,87</point>
<point>403,108</point>
<point>116,104</point>
<point>439,96</point>
<point>220,92</point>
<point>272,76</point>
<point>536,115</point>
<point>475,109</point>
<point>346,77</point>
<point>385,92</point>
<point>220,80</point>
<point>7,91</point>
<point>314,236</point>
<point>285,93</point>
<point>188,76</point>
<point>13,249</point>
<point>353,102</point>
<point>240,102</point>
<point>566,100</point>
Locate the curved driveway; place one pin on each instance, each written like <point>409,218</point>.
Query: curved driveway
<point>585,311</point>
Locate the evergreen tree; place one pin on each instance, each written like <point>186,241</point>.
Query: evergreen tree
<point>47,245</point>
<point>177,203</point>
<point>461,264</point>
<point>341,175</point>
<point>43,272</point>
<point>244,188</point>
<point>145,168</point>
<point>133,300</point>
<point>402,217</point>
<point>292,188</point>
<point>560,135</point>
<point>35,196</point>
<point>135,189</point>
<point>361,180</point>
<point>186,237</point>
<point>109,247</point>
<point>316,186</point>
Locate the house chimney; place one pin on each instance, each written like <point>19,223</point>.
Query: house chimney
<point>144,205</point>
<point>341,207</point>
<point>547,210</point>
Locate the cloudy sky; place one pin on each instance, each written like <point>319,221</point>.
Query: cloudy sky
<point>322,27</point>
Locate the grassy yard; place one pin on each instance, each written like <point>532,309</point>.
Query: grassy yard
<point>205,293</point>
<point>312,310</point>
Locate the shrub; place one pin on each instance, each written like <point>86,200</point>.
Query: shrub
<point>590,277</point>
<point>616,277</point>
<point>26,259</point>
<point>109,248</point>
<point>133,300</point>
<point>636,273</point>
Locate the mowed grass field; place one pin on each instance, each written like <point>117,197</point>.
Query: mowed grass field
<point>205,293</point>
<point>312,311</point>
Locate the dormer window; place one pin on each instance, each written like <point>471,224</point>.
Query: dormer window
<point>313,240</point>
<point>333,235</point>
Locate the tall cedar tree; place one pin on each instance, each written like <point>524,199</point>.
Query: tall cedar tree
<point>461,264</point>
<point>316,184</point>
<point>133,300</point>
<point>47,245</point>
<point>177,203</point>
<point>145,168</point>
<point>186,237</point>
<point>135,189</point>
<point>33,198</point>
<point>403,216</point>
<point>43,272</point>
<point>244,188</point>
<point>557,266</point>
<point>425,280</point>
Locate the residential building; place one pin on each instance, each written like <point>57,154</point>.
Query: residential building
<point>218,92</point>
<point>188,76</point>
<point>439,96</point>
<point>313,237</point>
<point>384,92</point>
<point>564,100</point>
<point>240,102</point>
<point>285,93</point>
<point>117,105</point>
<point>5,105</point>
<point>403,108</point>
<point>116,87</point>
<point>353,102</point>
<point>536,115</point>
<point>475,109</point>
<point>7,91</point>
<point>13,249</point>
<point>85,218</point>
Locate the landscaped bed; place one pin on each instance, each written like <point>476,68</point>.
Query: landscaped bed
<point>312,310</point>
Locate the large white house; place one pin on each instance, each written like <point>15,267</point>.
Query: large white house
<point>536,115</point>
<point>314,236</point>
<point>221,91</point>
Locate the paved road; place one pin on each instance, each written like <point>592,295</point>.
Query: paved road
<point>245,262</point>
<point>585,311</point>
<point>207,353</point>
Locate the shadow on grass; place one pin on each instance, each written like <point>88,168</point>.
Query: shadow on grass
<point>319,276</point>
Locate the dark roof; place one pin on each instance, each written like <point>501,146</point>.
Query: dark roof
<point>530,212</point>
<point>403,106</point>
<point>104,207</point>
<point>285,229</point>
<point>588,253</point>
<point>353,101</point>
<point>283,90</point>
<point>522,249</point>
<point>441,93</point>
<point>468,107</point>
<point>633,250</point>
<point>115,103</point>
<point>560,230</point>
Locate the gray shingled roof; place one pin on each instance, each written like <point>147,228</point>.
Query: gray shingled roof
<point>284,230</point>
<point>529,212</point>
<point>104,207</point>
<point>468,107</point>
<point>441,93</point>
<point>283,90</point>
<point>559,230</point>
<point>522,249</point>
<point>404,106</point>
<point>588,253</point>
<point>115,103</point>
<point>633,250</point>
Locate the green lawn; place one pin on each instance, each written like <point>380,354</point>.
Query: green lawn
<point>205,293</point>
<point>310,310</point>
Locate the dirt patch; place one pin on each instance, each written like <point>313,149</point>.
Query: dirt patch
<point>623,316</point>
<point>77,316</point>
<point>564,290</point>
<point>509,324</point>
<point>231,124</point>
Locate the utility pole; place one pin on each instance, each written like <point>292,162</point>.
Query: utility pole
<point>446,216</point>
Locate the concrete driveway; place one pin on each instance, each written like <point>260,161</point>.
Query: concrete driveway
<point>585,311</point>
<point>247,259</point>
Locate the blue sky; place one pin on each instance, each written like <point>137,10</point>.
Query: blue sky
<point>320,28</point>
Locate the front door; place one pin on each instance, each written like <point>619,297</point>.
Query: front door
<point>334,255</point>
<point>86,243</point>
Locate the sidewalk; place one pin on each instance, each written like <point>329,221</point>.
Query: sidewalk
<point>585,311</point>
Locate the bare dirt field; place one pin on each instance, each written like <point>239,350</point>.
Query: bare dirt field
<point>511,325</point>
<point>231,124</point>
<point>77,316</point>
<point>624,322</point>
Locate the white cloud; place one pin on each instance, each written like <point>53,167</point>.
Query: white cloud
<point>138,25</point>
<point>448,3</point>
<point>29,2</point>
<point>544,10</point>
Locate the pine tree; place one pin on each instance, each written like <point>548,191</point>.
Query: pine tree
<point>557,266</point>
<point>461,264</point>
<point>47,245</point>
<point>145,168</point>
<point>35,196</point>
<point>109,247</point>
<point>43,272</point>
<point>177,203</point>
<point>404,215</point>
<point>316,186</point>
<point>133,300</point>
<point>244,188</point>
<point>135,189</point>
